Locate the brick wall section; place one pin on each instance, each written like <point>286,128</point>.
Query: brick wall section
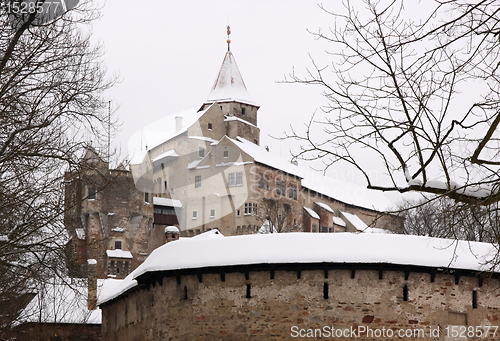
<point>217,310</point>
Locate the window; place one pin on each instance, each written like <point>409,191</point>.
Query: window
<point>195,215</point>
<point>239,179</point>
<point>212,213</point>
<point>230,180</point>
<point>157,210</point>
<point>92,192</point>
<point>168,211</point>
<point>263,181</point>
<point>226,154</point>
<point>248,208</point>
<point>118,244</point>
<point>292,191</point>
<point>255,141</point>
<point>201,152</point>
<point>238,213</point>
<point>197,181</point>
<point>165,187</point>
<point>242,111</point>
<point>255,209</point>
<point>210,126</point>
<point>235,176</point>
<point>280,187</point>
<point>146,197</point>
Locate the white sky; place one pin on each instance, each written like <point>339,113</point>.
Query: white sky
<point>168,54</point>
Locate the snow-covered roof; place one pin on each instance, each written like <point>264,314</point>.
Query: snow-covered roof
<point>324,206</point>
<point>339,221</point>
<point>118,229</point>
<point>354,220</point>
<point>91,261</point>
<point>118,253</point>
<point>166,202</point>
<point>4,238</point>
<point>261,155</point>
<point>229,85</point>
<point>286,248</point>
<point>63,302</point>
<point>159,132</point>
<point>80,233</point>
<point>171,229</point>
<point>344,191</point>
<point>311,213</point>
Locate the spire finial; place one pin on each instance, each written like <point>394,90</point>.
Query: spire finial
<point>228,40</point>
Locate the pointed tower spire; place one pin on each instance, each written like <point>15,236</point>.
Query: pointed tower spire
<point>229,85</point>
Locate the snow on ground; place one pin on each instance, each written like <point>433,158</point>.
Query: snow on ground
<point>212,249</point>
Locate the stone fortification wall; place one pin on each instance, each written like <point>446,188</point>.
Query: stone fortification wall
<point>252,305</point>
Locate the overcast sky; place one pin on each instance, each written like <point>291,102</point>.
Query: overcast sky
<point>168,54</point>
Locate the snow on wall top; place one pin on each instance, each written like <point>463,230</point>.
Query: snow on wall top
<point>229,85</point>
<point>119,254</point>
<point>355,221</point>
<point>166,202</point>
<point>279,248</point>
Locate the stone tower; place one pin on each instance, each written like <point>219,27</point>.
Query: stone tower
<point>238,107</point>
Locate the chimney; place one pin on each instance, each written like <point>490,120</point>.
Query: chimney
<point>92,284</point>
<point>178,123</point>
<point>171,234</point>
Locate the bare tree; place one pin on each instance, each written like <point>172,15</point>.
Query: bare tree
<point>441,217</point>
<point>51,105</point>
<point>279,214</point>
<point>412,87</point>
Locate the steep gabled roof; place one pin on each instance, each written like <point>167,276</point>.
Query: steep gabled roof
<point>229,85</point>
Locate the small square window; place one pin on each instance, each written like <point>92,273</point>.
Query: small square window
<point>195,215</point>
<point>226,154</point>
<point>210,126</point>
<point>118,244</point>
<point>212,213</point>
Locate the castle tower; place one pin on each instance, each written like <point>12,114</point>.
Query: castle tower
<point>238,107</point>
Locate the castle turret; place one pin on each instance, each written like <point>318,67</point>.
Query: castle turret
<point>238,107</point>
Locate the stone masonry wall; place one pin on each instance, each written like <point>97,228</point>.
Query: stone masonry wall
<point>220,310</point>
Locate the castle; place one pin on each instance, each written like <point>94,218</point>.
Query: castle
<point>200,170</point>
